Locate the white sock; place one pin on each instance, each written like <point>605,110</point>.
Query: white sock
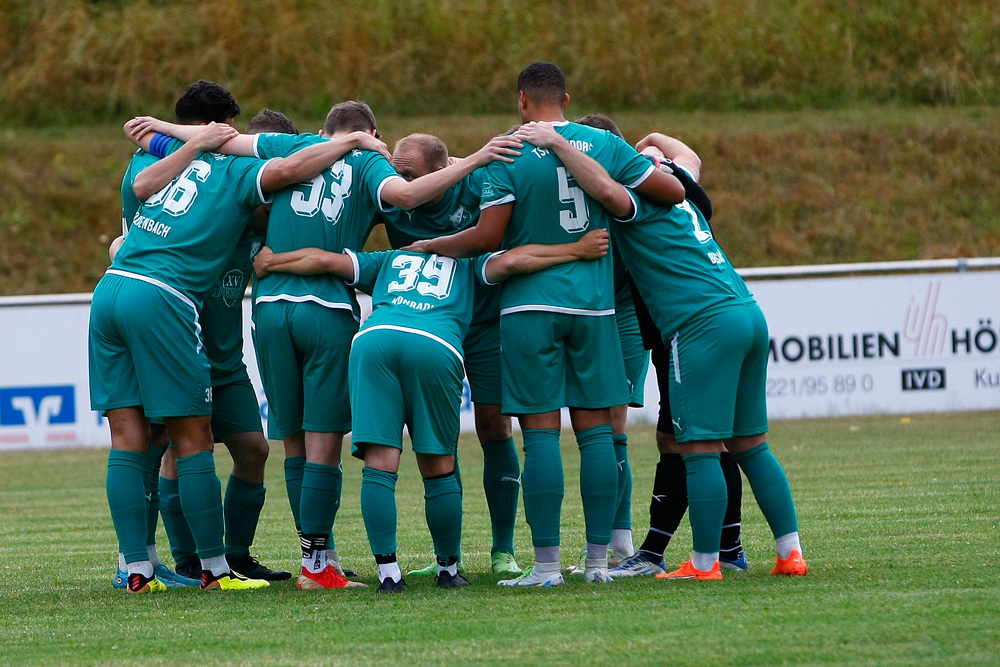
<point>389,571</point>
<point>600,563</point>
<point>143,567</point>
<point>122,565</point>
<point>450,569</point>
<point>217,565</point>
<point>621,542</point>
<point>704,562</point>
<point>547,568</point>
<point>784,545</point>
<point>316,562</point>
<point>547,555</point>
<point>154,557</point>
<point>596,551</point>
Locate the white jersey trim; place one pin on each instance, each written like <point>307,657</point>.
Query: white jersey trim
<point>265,198</point>
<point>488,260</point>
<point>308,298</point>
<point>419,332</point>
<point>531,307</point>
<point>357,269</point>
<point>635,209</point>
<point>506,199</point>
<point>378,193</point>
<point>641,179</point>
<point>255,141</point>
<point>166,288</point>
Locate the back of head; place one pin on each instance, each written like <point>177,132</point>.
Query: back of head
<point>601,122</point>
<point>205,102</point>
<point>543,84</point>
<point>431,149</point>
<point>350,116</point>
<point>269,120</point>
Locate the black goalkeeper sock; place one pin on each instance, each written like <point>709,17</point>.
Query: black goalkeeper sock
<point>732,539</point>
<point>668,504</point>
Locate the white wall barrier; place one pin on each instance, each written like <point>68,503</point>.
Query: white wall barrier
<point>839,346</point>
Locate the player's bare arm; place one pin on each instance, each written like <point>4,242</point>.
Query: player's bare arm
<point>409,195</point>
<point>482,238</point>
<point>309,162</point>
<point>304,261</point>
<point>587,172</point>
<point>115,247</point>
<point>535,257</point>
<point>157,176</point>
<point>674,149</point>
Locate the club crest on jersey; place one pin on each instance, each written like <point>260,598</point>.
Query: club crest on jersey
<point>230,288</point>
<point>460,217</point>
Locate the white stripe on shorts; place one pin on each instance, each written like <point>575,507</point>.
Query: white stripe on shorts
<point>673,353</point>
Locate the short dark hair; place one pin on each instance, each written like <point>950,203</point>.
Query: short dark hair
<point>205,102</point>
<point>269,120</point>
<point>601,122</point>
<point>351,116</point>
<point>432,149</point>
<point>542,83</point>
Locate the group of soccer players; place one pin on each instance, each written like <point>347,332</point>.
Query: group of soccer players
<point>562,330</point>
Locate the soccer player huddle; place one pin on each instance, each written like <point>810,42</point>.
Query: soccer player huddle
<point>542,267</point>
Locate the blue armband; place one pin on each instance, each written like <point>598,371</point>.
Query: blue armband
<point>158,145</point>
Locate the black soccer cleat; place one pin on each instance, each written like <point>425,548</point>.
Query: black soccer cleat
<point>445,579</point>
<point>189,567</point>
<point>387,585</point>
<point>249,567</point>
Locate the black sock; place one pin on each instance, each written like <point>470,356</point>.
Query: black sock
<point>732,540</point>
<point>385,559</point>
<point>668,504</point>
<point>311,543</point>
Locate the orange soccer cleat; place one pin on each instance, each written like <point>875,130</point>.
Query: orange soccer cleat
<point>689,571</point>
<point>793,566</point>
<point>328,578</point>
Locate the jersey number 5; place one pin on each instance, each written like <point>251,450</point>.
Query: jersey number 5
<point>576,220</point>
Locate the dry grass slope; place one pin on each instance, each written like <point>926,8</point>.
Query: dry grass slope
<point>77,59</point>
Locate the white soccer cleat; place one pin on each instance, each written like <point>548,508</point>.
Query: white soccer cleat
<point>533,577</point>
<point>596,571</point>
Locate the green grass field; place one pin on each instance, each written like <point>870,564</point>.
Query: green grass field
<point>899,519</point>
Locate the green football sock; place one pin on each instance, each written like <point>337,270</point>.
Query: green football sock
<point>598,481</point>
<point>321,488</point>
<point>707,497</point>
<point>201,500</point>
<point>443,508</point>
<point>241,510</point>
<point>293,486</point>
<point>502,484</point>
<point>151,480</point>
<point>543,485</point>
<point>178,532</point>
<point>623,513</point>
<point>127,500</point>
<point>378,509</point>
<point>770,488</point>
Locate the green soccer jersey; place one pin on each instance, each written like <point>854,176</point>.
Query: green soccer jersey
<point>222,313</point>
<point>333,211</point>
<point>429,295</point>
<point>550,208</point>
<point>457,210</point>
<point>676,263</point>
<point>130,203</point>
<point>181,237</point>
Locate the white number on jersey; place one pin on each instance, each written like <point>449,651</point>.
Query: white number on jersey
<point>438,274</point>
<point>308,200</point>
<point>178,197</point>
<point>703,235</point>
<point>578,219</point>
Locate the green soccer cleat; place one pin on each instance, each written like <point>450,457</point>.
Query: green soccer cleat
<point>504,564</point>
<point>137,583</point>
<point>432,570</point>
<point>231,581</point>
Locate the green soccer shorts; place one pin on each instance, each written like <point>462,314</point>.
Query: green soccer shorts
<point>718,375</point>
<point>235,409</point>
<point>302,351</point>
<point>482,361</point>
<point>634,354</point>
<point>550,360</point>
<point>146,349</point>
<point>403,378</point>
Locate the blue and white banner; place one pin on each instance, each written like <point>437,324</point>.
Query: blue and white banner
<point>839,346</point>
